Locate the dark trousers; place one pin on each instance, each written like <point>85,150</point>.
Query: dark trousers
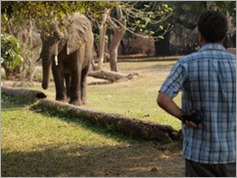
<point>194,169</point>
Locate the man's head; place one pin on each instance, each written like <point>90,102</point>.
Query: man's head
<point>212,26</point>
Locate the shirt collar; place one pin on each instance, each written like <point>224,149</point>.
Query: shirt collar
<point>213,46</point>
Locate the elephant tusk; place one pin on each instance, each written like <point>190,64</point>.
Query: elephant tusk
<point>56,60</point>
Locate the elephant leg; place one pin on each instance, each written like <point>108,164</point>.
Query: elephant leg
<point>68,84</point>
<point>59,83</point>
<point>75,94</point>
<point>83,84</point>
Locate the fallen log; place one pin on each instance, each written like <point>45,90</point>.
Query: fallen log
<point>110,75</point>
<point>128,126</point>
<point>27,95</point>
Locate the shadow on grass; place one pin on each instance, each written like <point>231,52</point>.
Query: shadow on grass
<point>12,102</point>
<point>107,130</point>
<point>143,160</point>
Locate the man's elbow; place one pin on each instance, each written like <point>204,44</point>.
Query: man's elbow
<point>160,99</point>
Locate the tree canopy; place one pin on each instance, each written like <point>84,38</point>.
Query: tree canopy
<point>44,10</point>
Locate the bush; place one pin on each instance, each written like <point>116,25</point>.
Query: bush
<point>11,54</point>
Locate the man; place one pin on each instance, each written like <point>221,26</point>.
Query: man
<point>207,79</point>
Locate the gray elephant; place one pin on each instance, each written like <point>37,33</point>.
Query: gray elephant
<point>68,50</point>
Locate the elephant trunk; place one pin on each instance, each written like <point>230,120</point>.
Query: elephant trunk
<point>49,54</point>
<point>46,73</point>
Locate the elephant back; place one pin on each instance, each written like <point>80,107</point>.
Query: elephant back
<point>79,31</point>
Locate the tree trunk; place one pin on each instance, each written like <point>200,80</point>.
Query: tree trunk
<point>117,37</point>
<point>102,31</point>
<point>162,46</point>
<point>113,49</point>
<point>118,32</point>
<point>128,126</point>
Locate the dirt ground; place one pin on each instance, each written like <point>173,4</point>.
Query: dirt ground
<point>146,160</point>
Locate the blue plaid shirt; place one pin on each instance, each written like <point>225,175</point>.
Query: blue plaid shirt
<point>207,79</point>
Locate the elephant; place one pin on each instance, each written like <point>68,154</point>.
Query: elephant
<point>68,51</point>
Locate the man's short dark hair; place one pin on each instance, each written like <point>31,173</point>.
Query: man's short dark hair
<point>213,26</point>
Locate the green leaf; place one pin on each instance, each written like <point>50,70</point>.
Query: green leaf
<point>161,37</point>
<point>147,6</point>
<point>165,5</point>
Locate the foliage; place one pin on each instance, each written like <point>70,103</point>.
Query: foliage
<point>10,52</point>
<point>139,14</point>
<point>29,40</point>
<point>45,11</point>
<point>143,12</point>
<point>147,18</point>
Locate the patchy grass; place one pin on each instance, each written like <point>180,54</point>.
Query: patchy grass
<point>36,144</point>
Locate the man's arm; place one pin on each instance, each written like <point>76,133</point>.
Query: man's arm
<point>166,103</point>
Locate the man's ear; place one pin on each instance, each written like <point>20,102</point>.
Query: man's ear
<point>201,40</point>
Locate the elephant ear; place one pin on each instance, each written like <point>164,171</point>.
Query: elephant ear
<point>78,32</point>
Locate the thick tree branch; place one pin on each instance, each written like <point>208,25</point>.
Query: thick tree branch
<point>111,76</point>
<point>102,30</point>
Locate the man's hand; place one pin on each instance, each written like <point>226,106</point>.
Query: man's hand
<point>192,119</point>
<point>192,124</point>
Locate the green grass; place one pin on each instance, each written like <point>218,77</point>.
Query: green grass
<point>38,143</point>
<point>21,122</point>
<point>135,99</point>
<point>30,140</point>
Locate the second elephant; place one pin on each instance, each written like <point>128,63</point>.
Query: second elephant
<point>68,50</point>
